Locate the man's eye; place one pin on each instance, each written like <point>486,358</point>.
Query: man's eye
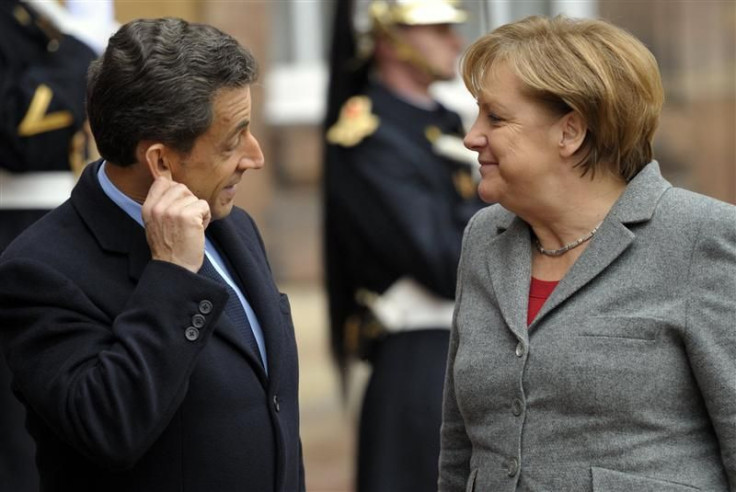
<point>494,119</point>
<point>233,144</point>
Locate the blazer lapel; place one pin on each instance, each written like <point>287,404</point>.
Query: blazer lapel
<point>254,276</point>
<point>509,267</point>
<point>637,204</point>
<point>611,240</point>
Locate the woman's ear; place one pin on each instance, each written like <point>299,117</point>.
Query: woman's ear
<point>154,155</point>
<point>573,133</point>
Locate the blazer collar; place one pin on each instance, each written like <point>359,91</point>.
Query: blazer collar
<point>510,255</point>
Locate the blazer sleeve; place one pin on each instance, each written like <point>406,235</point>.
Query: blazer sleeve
<point>455,446</point>
<point>108,387</point>
<point>711,321</point>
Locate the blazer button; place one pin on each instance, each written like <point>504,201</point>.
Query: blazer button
<point>198,320</point>
<point>276,404</point>
<point>191,334</point>
<point>519,349</point>
<point>517,407</point>
<point>512,466</point>
<point>205,307</point>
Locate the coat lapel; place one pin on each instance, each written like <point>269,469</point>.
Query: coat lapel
<point>254,276</point>
<point>509,267</point>
<point>637,204</point>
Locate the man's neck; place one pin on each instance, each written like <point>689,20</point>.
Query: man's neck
<point>404,84</point>
<point>134,180</point>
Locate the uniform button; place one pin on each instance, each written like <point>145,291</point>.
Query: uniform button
<point>205,307</point>
<point>519,349</point>
<point>517,407</point>
<point>512,466</point>
<point>191,334</point>
<point>276,404</point>
<point>198,321</point>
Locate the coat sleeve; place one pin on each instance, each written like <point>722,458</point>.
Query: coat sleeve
<point>108,387</point>
<point>455,445</point>
<point>711,321</point>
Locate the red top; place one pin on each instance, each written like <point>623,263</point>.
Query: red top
<point>539,291</point>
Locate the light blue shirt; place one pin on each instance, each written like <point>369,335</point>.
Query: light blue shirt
<point>133,209</point>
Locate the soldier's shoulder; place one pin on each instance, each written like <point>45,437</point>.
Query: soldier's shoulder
<point>355,123</point>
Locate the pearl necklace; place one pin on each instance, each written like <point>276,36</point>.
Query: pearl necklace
<point>568,246</point>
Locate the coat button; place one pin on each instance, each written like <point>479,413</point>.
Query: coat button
<point>276,404</point>
<point>512,466</point>
<point>198,320</point>
<point>517,407</point>
<point>191,334</point>
<point>205,307</point>
<point>519,349</point>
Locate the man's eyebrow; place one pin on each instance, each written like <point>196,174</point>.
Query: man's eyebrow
<point>242,125</point>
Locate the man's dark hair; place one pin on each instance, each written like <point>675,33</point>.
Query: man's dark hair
<point>157,80</point>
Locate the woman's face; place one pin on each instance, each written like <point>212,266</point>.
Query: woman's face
<point>517,140</point>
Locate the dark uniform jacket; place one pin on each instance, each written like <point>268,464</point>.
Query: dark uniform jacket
<point>119,398</point>
<point>394,206</point>
<point>42,92</point>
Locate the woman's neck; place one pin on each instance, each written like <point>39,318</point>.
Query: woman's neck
<point>567,219</point>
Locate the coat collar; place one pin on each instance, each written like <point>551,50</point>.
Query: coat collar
<point>114,230</point>
<point>510,256</point>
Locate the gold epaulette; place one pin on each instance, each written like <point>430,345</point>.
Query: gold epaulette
<point>354,124</point>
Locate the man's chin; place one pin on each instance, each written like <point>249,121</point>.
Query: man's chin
<point>221,212</point>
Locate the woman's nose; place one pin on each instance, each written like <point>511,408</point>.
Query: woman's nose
<point>474,140</point>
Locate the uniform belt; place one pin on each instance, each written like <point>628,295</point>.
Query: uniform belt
<point>407,306</point>
<point>38,190</point>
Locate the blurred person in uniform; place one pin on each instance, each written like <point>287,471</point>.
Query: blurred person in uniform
<point>149,344</point>
<point>42,143</point>
<point>399,190</point>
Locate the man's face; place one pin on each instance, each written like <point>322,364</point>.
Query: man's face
<point>438,44</point>
<point>215,166</point>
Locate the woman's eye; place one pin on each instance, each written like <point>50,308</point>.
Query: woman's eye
<point>493,118</point>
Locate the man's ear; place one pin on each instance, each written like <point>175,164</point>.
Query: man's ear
<point>573,132</point>
<point>156,157</point>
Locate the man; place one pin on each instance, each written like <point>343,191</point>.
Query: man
<point>42,139</point>
<point>398,195</point>
<point>140,320</point>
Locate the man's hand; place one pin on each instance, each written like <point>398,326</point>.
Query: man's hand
<point>175,222</point>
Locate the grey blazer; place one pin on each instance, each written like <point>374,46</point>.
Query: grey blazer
<point>626,379</point>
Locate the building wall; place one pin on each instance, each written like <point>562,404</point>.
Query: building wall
<point>694,42</point>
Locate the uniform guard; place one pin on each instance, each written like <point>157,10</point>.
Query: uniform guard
<point>42,143</point>
<point>399,191</point>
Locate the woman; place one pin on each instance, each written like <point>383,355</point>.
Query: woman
<point>594,339</point>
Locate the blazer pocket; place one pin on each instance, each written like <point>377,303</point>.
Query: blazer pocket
<point>605,480</point>
<point>470,485</point>
<point>622,328</point>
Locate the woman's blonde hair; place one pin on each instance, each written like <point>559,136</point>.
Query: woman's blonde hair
<point>590,66</point>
